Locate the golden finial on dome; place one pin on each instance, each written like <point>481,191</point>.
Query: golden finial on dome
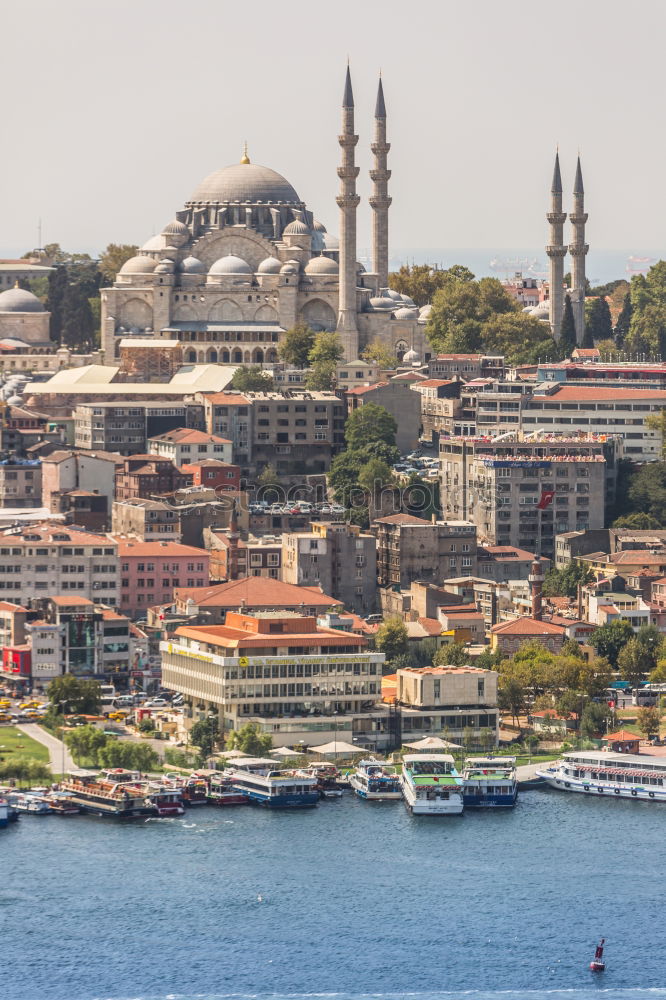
<point>245,158</point>
<point>16,284</point>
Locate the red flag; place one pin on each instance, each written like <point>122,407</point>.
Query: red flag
<point>546,499</point>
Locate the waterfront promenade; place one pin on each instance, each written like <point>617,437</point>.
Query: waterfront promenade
<point>57,763</point>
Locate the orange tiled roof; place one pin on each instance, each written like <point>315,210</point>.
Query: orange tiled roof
<point>135,547</point>
<point>256,592</point>
<point>526,626</point>
<point>578,393</point>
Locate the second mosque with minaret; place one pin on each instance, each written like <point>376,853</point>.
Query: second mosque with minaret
<point>245,259</point>
<point>557,251</point>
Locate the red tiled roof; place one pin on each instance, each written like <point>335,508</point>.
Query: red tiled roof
<point>135,547</point>
<point>226,398</point>
<point>400,519</point>
<point>56,534</point>
<point>434,383</point>
<point>526,626</point>
<point>256,592</point>
<point>7,606</point>
<point>359,390</point>
<point>71,601</point>
<point>575,394</point>
<point>621,736</point>
<point>507,552</point>
<point>460,357</point>
<point>409,377</point>
<point>189,435</point>
<point>430,625</point>
<point>637,556</point>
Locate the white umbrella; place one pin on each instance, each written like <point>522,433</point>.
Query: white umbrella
<point>338,748</point>
<point>233,754</point>
<point>432,743</point>
<point>286,752</point>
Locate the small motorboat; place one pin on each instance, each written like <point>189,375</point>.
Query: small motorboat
<point>597,964</point>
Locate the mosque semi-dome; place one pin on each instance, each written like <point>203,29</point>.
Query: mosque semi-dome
<point>20,300</point>
<point>291,267</point>
<point>296,228</point>
<point>192,265</point>
<point>321,265</point>
<point>176,228</point>
<point>318,227</point>
<point>154,243</point>
<point>247,183</point>
<point>138,265</point>
<point>230,265</point>
<point>270,266</point>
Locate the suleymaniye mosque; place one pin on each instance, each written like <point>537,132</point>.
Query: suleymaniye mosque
<point>245,260</point>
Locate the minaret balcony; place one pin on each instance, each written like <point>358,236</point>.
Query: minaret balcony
<point>578,218</point>
<point>556,218</point>
<point>579,249</point>
<point>348,200</point>
<point>380,148</point>
<point>380,175</point>
<point>348,173</point>
<point>556,251</point>
<point>377,201</point>
<point>348,139</point>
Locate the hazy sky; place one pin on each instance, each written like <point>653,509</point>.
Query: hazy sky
<point>114,111</point>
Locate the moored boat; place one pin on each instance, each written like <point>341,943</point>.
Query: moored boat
<point>62,804</point>
<point>490,782</point>
<point>29,803</point>
<point>430,785</point>
<point>4,813</point>
<point>117,794</point>
<point>615,775</point>
<point>166,799</point>
<point>223,792</point>
<point>277,789</point>
<point>372,780</point>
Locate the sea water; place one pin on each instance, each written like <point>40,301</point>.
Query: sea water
<point>350,900</point>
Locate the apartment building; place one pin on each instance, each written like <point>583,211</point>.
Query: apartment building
<point>521,491</point>
<point>411,548</point>
<point>53,559</point>
<point>572,544</point>
<point>467,366</point>
<point>126,427</point>
<point>339,558</point>
<point>396,396</point>
<point>151,571</point>
<point>251,594</point>
<point>294,679</point>
<point>233,556</point>
<point>148,520</point>
<point>67,470</point>
<point>188,445</point>
<point>213,474</point>
<point>20,482</point>
<point>148,476</point>
<point>458,701</point>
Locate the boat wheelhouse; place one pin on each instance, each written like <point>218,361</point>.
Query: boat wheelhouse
<point>430,785</point>
<point>277,789</point>
<point>166,798</point>
<point>490,782</point>
<point>372,780</point>
<point>615,775</point>
<point>25,802</point>
<point>223,792</point>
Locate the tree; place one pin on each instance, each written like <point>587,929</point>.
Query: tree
<point>321,377</point>
<point>113,258</point>
<point>268,478</point>
<point>511,696</point>
<point>26,769</point>
<point>85,742</point>
<point>658,675</point>
<point>649,721</point>
<point>252,379</point>
<point>646,490</point>
<point>204,734</point>
<point>633,662</point>
<point>564,582</point>
<point>80,697</point>
<point>421,281</point>
<point>571,648</point>
<point>374,476</point>
<point>391,637</point>
<point>623,321</point>
<point>610,639</point>
<point>143,758</point>
<point>596,718</point>
<point>638,521</point>
<point>657,422</point>
<point>379,354</point>
<point>326,347</point>
<point>295,347</point>
<point>369,424</point>
<point>598,323</point>
<point>520,338</point>
<point>250,740</point>
<point>567,342</point>
<point>453,654</point>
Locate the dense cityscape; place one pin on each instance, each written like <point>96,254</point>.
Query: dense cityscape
<point>283,527</point>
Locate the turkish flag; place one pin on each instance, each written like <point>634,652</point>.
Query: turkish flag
<point>546,499</point>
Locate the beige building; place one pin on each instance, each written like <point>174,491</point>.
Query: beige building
<point>457,701</point>
<point>148,520</point>
<point>186,445</point>
<point>411,548</point>
<point>20,483</point>
<point>339,558</point>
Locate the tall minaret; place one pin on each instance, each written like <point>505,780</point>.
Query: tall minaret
<point>578,249</point>
<point>556,250</point>
<point>348,202</point>
<point>380,201</point>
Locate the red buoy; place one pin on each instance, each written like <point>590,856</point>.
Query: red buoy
<point>597,964</point>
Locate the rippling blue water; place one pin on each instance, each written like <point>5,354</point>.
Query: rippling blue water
<point>357,900</point>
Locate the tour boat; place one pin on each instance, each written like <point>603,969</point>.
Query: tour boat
<point>430,785</point>
<point>277,789</point>
<point>62,804</point>
<point>4,813</point>
<point>326,776</point>
<point>373,780</point>
<point>616,775</point>
<point>490,782</point>
<point>112,794</point>
<point>193,788</point>
<point>166,799</point>
<point>223,792</point>
<point>27,802</point>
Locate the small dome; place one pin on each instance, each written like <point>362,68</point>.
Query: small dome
<point>165,266</point>
<point>425,311</point>
<point>270,266</point>
<point>321,265</point>
<point>404,313</point>
<point>176,228</point>
<point>19,300</point>
<point>331,242</point>
<point>410,357</point>
<point>392,294</point>
<point>14,401</point>
<point>291,267</point>
<point>381,302</point>
<point>192,265</point>
<point>296,228</point>
<point>318,227</point>
<point>138,265</point>
<point>230,265</point>
<point>408,302</point>
<point>154,243</point>
<point>541,310</point>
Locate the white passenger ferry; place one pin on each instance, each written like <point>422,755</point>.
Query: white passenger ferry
<point>276,790</point>
<point>490,782</point>
<point>430,784</point>
<point>617,775</point>
<point>373,780</point>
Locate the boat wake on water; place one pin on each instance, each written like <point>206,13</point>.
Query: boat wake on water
<point>609,993</point>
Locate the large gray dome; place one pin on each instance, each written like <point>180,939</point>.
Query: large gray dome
<point>245,183</point>
<point>21,301</point>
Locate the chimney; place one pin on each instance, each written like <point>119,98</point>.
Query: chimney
<point>536,584</point>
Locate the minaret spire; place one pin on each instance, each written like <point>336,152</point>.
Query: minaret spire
<point>578,249</point>
<point>380,201</point>
<point>556,251</point>
<point>348,203</point>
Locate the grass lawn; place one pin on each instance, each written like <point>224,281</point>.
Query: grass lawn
<point>13,743</point>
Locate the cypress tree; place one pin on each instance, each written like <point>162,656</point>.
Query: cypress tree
<point>567,341</point>
<point>598,323</point>
<point>623,321</point>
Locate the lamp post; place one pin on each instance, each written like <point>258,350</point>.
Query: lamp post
<point>62,738</point>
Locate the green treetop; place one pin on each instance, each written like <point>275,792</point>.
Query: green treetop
<point>295,347</point>
<point>252,379</point>
<point>567,342</point>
